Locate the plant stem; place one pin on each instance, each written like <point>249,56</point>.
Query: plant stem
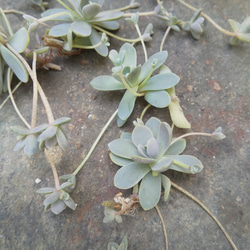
<point>95,143</point>
<point>14,12</point>
<point>149,13</point>
<point>163,226</point>
<point>144,111</point>
<point>128,87</point>
<point>12,92</point>
<point>40,90</point>
<point>116,37</point>
<point>142,41</point>
<point>226,32</point>
<point>207,210</point>
<point>67,7</point>
<point>35,96</point>
<point>164,37</point>
<point>6,22</point>
<point>13,101</point>
<point>53,168</point>
<point>189,134</point>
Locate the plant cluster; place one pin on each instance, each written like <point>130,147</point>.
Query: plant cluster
<point>150,150</point>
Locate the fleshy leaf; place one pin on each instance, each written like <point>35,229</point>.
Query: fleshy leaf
<point>63,17</point>
<point>20,40</point>
<point>45,190</point>
<point>152,148</point>
<point>150,191</point>
<point>70,203</point>
<point>61,138</point>
<point>58,207</point>
<point>126,105</point>
<point>160,82</point>
<point>154,124</point>
<point>48,133</point>
<point>162,165</point>
<point>95,38</point>
<point>14,63</point>
<point>20,130</point>
<point>186,164</point>
<point>106,83</point>
<point>51,198</point>
<point>141,134</point>
<point>130,56</point>
<point>119,160</point>
<point>107,16</point>
<point>81,28</point>
<point>31,145</point>
<point>109,25</point>
<point>142,160</point>
<point>164,137</point>
<point>161,57</point>
<point>90,10</point>
<point>129,175</point>
<point>158,99</point>
<point>177,147</point>
<point>166,184</point>
<point>61,121</point>
<point>123,148</point>
<point>60,30</point>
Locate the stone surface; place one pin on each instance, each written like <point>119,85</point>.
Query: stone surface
<point>214,91</point>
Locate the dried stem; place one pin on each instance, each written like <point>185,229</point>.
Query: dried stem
<point>207,210</point>
<point>226,32</point>
<point>95,143</point>
<point>163,226</point>
<point>189,134</point>
<point>8,97</point>
<point>53,168</point>
<point>165,37</point>
<point>13,101</point>
<point>40,90</point>
<point>35,96</point>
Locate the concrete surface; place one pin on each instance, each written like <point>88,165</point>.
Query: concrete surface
<point>223,185</point>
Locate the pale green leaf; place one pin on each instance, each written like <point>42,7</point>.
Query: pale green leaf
<point>150,191</point>
<point>177,147</point>
<point>160,82</point>
<point>123,148</point>
<point>166,184</point>
<point>20,40</point>
<point>60,30</point>
<point>15,64</point>
<point>129,175</point>
<point>81,28</point>
<point>158,99</point>
<point>126,105</point>
<point>106,83</point>
<point>141,135</point>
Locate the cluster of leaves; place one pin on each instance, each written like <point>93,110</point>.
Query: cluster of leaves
<point>81,20</point>
<point>137,80</point>
<point>8,60</point>
<point>194,25</point>
<point>242,31</point>
<point>45,135</point>
<point>116,246</point>
<point>57,199</point>
<point>144,154</point>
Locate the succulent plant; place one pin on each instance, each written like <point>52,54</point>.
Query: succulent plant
<point>242,31</point>
<point>53,134</point>
<point>122,246</point>
<point>58,199</point>
<point>17,41</point>
<point>81,21</point>
<point>194,25</point>
<point>144,155</point>
<point>45,135</point>
<point>137,80</point>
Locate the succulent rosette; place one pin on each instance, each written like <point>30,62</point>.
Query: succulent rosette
<point>145,154</point>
